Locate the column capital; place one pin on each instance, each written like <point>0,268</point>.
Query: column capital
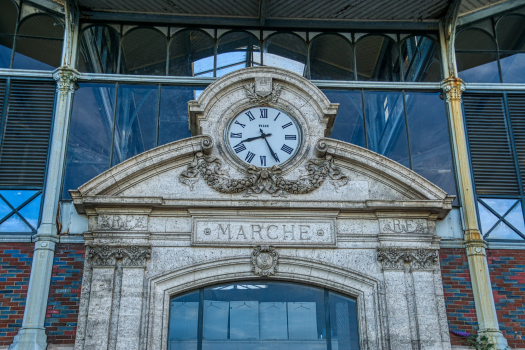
<point>453,88</point>
<point>418,259</point>
<point>107,256</point>
<point>66,78</point>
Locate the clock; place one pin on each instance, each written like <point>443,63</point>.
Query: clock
<point>263,136</point>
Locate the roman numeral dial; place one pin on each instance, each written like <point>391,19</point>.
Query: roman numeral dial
<point>263,136</point>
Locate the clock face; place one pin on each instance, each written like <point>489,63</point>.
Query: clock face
<point>263,136</point>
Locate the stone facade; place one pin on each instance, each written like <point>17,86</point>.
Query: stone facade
<point>186,215</point>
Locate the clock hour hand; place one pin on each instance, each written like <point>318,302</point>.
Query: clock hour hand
<point>255,138</point>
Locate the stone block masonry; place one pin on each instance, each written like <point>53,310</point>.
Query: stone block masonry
<point>64,294</point>
<point>507,275</point>
<point>15,269</point>
<point>459,298</point>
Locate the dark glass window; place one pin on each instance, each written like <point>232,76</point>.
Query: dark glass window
<point>287,51</point>
<point>377,58</point>
<point>260,315</point>
<point>331,58</point>
<point>90,134</point>
<point>173,124</point>
<point>39,43</point>
<point>348,125</point>
<point>191,54</point>
<point>420,59</point>
<point>144,52</point>
<point>99,50</point>
<point>476,57</point>
<point>8,19</point>
<point>510,32</point>
<point>237,50</point>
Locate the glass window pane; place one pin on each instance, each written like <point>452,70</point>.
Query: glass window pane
<point>36,53</point>
<point>502,231</point>
<point>184,321</point>
<point>43,26</point>
<point>17,197</point>
<point>377,58</point>
<point>6,50</point>
<point>285,50</point>
<point>173,123</point>
<point>500,206</point>
<point>8,17</point>
<point>343,321</point>
<point>331,58</point>
<point>191,54</point>
<point>486,218</point>
<point>98,50</point>
<point>90,133</point>
<point>510,31</point>
<point>420,59</point>
<point>478,67</point>
<point>474,40</point>
<point>4,209</point>
<point>14,224</point>
<point>31,211</point>
<point>144,52</point>
<point>430,139</point>
<point>515,217</point>
<point>237,50</point>
<point>136,121</point>
<point>513,67</point>
<point>348,125</point>
<point>385,122</point>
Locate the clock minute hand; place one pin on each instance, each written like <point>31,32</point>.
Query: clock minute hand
<point>274,155</point>
<point>255,138</point>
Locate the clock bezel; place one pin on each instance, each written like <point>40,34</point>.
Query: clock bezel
<point>247,165</point>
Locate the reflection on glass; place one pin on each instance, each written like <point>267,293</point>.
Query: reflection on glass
<point>144,52</point>
<point>98,50</point>
<point>273,320</point>
<point>184,322</point>
<point>515,218</point>
<point>478,67</point>
<point>285,50</point>
<point>28,207</point>
<point>237,50</point>
<point>17,197</point>
<point>15,224</point>
<point>488,220</point>
<point>429,139</point>
<point>420,59</point>
<point>385,121</point>
<point>502,231</point>
<point>377,58</point>
<point>31,211</point>
<point>348,125</point>
<point>173,123</point>
<point>343,320</point>
<point>302,320</point>
<point>215,319</point>
<point>88,152</point>
<point>4,209</point>
<point>500,206</point>
<point>191,54</point>
<point>331,58</point>
<point>135,122</point>
<point>39,43</point>
<point>244,320</point>
<point>513,67</point>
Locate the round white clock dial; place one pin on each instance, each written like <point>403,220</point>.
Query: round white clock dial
<point>263,136</point>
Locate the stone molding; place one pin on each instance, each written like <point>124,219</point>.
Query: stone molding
<point>264,260</point>
<point>107,256</point>
<point>417,259</point>
<point>262,91</point>
<point>66,79</point>
<point>453,88</point>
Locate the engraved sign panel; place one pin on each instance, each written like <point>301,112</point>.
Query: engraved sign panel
<point>266,231</point>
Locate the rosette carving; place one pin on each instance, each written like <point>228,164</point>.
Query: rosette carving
<point>264,260</point>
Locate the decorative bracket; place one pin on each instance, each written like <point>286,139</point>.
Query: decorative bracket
<point>264,260</point>
<point>66,79</point>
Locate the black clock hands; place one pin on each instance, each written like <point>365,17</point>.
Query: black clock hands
<point>274,155</point>
<point>255,138</point>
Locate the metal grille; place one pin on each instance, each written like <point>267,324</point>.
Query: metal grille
<point>517,116</point>
<point>25,140</point>
<point>490,148</point>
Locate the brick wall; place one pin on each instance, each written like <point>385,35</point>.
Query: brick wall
<point>64,294</point>
<point>507,275</point>
<point>459,299</point>
<point>15,269</point>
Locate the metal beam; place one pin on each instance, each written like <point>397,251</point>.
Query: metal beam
<point>253,22</point>
<point>263,8</point>
<point>489,11</point>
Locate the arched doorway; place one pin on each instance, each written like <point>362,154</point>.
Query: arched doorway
<point>257,314</point>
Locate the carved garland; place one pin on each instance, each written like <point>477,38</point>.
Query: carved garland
<point>262,180</point>
<point>108,256</point>
<point>393,258</point>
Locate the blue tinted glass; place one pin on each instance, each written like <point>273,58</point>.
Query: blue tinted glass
<point>515,218</point>
<point>500,206</point>
<point>17,197</point>
<point>191,53</point>
<point>348,125</point>
<point>420,58</point>
<point>90,132</point>
<point>478,67</point>
<point>14,224</point>
<point>513,67</point>
<point>237,50</point>
<point>385,122</point>
<point>174,112</point>
<point>98,50</point>
<point>31,211</point>
<point>136,121</point>
<point>488,220</point>
<point>184,321</point>
<point>6,44</point>
<point>377,58</point>
<point>39,54</point>
<point>4,209</point>
<point>430,140</point>
<point>343,322</point>
<point>286,51</point>
<point>502,231</point>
